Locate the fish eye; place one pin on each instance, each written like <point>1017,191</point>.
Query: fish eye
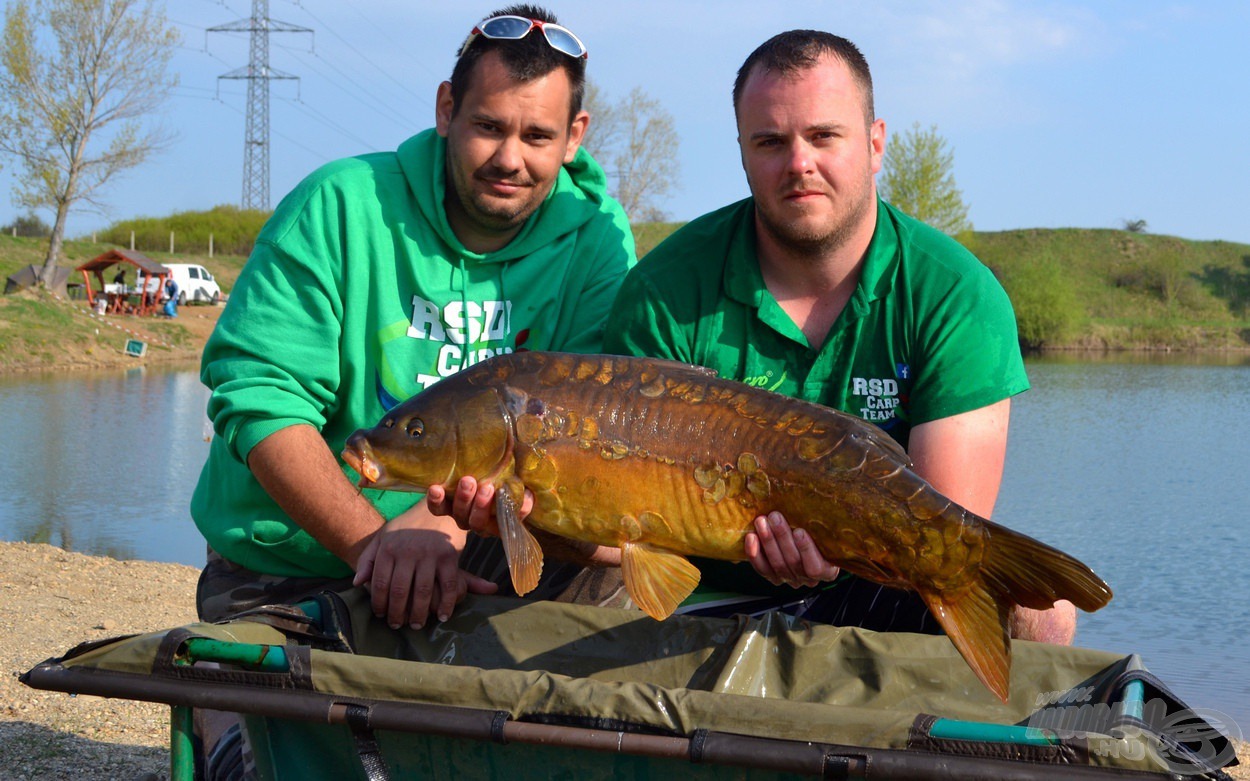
<point>416,427</point>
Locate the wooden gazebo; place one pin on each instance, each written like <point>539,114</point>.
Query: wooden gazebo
<point>141,299</point>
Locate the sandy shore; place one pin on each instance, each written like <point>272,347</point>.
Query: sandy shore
<point>51,600</point>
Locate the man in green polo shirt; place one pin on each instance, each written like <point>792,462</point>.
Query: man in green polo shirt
<point>817,289</point>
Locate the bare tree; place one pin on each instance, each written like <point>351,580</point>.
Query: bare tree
<point>636,142</point>
<point>76,77</point>
<point>605,126</point>
<point>917,178</point>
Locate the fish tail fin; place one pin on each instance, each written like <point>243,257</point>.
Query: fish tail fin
<point>1034,575</point>
<point>1016,570</point>
<point>976,622</point>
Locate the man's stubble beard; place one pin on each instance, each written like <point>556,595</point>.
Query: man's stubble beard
<point>811,244</point>
<point>496,219</point>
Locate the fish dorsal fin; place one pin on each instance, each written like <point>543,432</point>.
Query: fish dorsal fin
<point>977,624</point>
<point>676,370</point>
<point>657,580</point>
<point>697,370</point>
<point>525,555</point>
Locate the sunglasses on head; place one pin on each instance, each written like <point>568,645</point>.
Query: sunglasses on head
<point>514,28</point>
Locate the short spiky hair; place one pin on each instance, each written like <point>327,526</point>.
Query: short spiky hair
<point>797,50</point>
<point>527,59</point>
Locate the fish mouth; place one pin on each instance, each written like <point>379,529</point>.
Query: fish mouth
<point>357,456</point>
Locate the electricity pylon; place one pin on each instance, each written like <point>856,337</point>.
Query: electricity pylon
<point>258,75</point>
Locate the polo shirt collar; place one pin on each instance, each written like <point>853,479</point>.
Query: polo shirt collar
<point>744,282</point>
<point>880,262</point>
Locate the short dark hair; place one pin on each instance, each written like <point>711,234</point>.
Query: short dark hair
<point>526,60</point>
<point>796,50</point>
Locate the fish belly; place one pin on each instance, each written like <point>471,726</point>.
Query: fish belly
<point>607,497</point>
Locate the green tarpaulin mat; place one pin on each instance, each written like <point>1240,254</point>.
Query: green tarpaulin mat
<point>517,689</point>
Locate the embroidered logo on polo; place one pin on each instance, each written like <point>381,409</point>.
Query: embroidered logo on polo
<point>878,398</point>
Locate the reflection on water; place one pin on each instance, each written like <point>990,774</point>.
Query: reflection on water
<point>1134,463</point>
<point>1139,470</point>
<point>104,462</point>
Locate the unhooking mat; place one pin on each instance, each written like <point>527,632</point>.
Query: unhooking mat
<point>516,689</point>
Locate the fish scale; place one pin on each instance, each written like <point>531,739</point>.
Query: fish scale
<point>663,460</point>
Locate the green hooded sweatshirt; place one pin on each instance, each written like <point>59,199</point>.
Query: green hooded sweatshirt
<point>358,295</point>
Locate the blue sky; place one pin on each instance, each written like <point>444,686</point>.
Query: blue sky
<point>1059,114</point>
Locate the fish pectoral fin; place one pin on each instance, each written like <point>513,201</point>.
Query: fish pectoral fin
<point>976,623</point>
<point>657,580</point>
<point>525,555</point>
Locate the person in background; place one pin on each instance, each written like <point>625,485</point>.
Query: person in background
<point>815,288</point>
<point>171,297</point>
<point>375,278</point>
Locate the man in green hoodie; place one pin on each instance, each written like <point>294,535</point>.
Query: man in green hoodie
<point>375,278</point>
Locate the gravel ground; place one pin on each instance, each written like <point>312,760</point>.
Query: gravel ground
<point>51,600</point>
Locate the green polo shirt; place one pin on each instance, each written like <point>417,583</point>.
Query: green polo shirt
<point>928,333</point>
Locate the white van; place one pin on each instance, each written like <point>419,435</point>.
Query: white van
<point>194,283</point>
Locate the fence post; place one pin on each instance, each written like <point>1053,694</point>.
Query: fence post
<point>210,245</point>
<point>171,242</point>
<point>132,241</point>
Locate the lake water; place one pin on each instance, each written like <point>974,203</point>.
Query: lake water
<point>1137,467</point>
<point>104,462</point>
<point>1140,470</point>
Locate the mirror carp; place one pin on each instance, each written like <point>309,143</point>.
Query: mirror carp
<point>663,460</point>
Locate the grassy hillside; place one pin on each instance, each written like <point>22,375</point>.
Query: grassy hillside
<point>1107,289</point>
<point>1114,289</point>
<point>231,229</point>
<point>40,331</point>
<point>648,234</point>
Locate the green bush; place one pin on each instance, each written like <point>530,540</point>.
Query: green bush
<point>1048,311</point>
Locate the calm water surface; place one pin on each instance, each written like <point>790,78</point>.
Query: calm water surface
<point>104,462</point>
<point>1140,470</point>
<point>1137,468</point>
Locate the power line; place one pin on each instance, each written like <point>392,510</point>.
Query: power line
<point>319,155</point>
<point>317,116</point>
<point>358,92</point>
<point>362,56</point>
<point>399,46</point>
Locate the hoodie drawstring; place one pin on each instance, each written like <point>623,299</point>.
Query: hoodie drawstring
<point>464,313</point>
<point>507,305</point>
